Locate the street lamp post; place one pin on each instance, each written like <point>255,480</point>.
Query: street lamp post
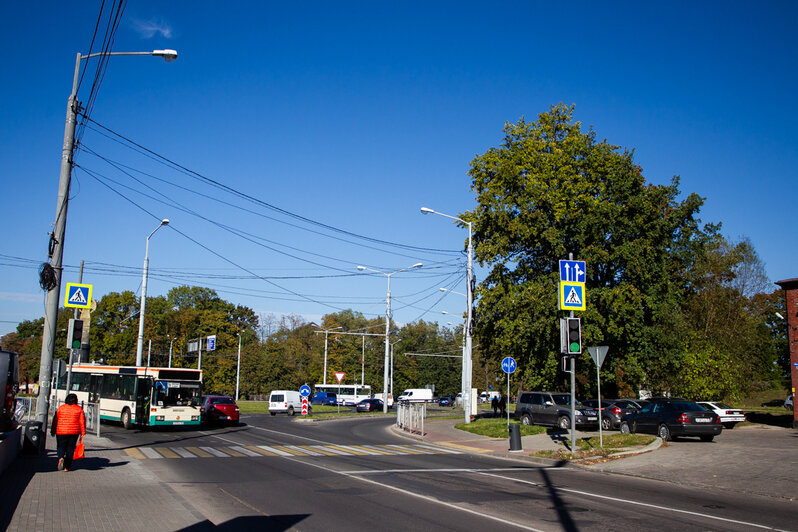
<point>387,329</point>
<point>56,251</point>
<point>140,343</point>
<point>326,332</point>
<point>469,314</point>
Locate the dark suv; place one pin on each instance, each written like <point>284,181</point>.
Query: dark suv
<point>552,409</point>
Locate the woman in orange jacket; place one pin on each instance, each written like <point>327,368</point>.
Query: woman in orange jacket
<point>69,423</point>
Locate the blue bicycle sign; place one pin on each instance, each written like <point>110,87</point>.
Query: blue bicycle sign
<point>509,365</point>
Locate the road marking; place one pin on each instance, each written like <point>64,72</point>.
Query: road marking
<point>231,451</point>
<point>184,452</point>
<point>438,449</point>
<point>274,450</point>
<point>166,452</point>
<point>288,449</point>
<point>331,449</point>
<point>303,450</point>
<point>149,452</point>
<point>411,450</point>
<point>347,450</point>
<point>244,450</point>
<point>263,452</point>
<point>135,453</point>
<point>215,452</point>
<point>634,503</point>
<point>199,452</point>
<point>318,449</point>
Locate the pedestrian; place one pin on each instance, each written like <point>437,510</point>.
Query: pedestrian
<point>69,424</point>
<point>503,405</point>
<point>494,403</point>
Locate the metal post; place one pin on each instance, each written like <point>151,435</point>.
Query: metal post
<point>171,341</point>
<point>199,351</point>
<point>469,324</point>
<point>573,389</point>
<point>145,269</point>
<point>72,351</point>
<point>238,367</point>
<point>149,352</point>
<point>387,348</point>
<point>507,400</point>
<point>598,380</point>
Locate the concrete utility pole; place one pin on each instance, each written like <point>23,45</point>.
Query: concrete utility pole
<point>56,250</point>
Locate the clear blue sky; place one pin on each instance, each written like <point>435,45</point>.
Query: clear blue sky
<point>355,115</point>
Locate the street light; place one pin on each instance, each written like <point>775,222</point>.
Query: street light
<point>387,329</point>
<point>469,316</point>
<point>56,251</point>
<point>326,332</point>
<point>140,343</point>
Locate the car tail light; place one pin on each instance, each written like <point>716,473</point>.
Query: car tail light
<point>616,410</point>
<point>717,419</point>
<point>683,419</point>
<point>9,400</point>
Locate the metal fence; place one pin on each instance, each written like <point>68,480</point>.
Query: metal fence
<point>410,417</point>
<point>26,411</point>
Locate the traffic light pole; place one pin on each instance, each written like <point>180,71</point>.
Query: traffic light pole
<point>573,389</point>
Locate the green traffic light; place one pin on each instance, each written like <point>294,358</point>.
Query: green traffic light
<point>574,347</point>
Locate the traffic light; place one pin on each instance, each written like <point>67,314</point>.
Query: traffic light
<point>574,335</point>
<point>74,334</point>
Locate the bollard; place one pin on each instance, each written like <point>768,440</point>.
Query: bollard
<point>33,442</point>
<point>515,437</point>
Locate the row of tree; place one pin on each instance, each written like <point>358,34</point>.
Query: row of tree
<point>682,309</point>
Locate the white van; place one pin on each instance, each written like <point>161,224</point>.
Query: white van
<point>415,395</point>
<point>285,402</point>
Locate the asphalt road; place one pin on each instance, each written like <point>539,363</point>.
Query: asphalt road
<point>347,475</point>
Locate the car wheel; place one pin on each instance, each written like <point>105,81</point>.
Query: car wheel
<point>290,410</point>
<point>273,413</point>
<point>708,437</point>
<point>526,419</point>
<point>625,428</point>
<point>664,432</point>
<point>125,419</point>
<point>606,423</point>
<point>564,423</point>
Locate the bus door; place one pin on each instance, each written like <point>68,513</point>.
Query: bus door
<point>143,392</point>
<point>95,385</point>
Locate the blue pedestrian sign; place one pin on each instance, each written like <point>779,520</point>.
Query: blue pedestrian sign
<point>78,295</point>
<point>304,391</point>
<point>572,296</point>
<point>509,365</point>
<point>573,270</point>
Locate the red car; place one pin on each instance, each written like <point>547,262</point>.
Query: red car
<point>219,409</point>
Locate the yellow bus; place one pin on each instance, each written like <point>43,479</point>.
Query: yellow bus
<point>143,396</point>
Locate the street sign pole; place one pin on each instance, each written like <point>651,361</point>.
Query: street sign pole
<point>573,390</point>
<point>509,365</point>
<point>598,354</point>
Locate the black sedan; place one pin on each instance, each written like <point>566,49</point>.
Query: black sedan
<point>369,405</point>
<point>670,419</point>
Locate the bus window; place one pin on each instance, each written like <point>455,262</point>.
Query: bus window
<point>170,393</point>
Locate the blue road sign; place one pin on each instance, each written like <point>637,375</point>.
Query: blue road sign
<point>304,391</point>
<point>573,270</point>
<point>509,365</point>
<point>78,295</point>
<point>572,296</point>
<point>211,344</point>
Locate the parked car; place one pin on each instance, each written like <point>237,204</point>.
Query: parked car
<point>446,400</point>
<point>218,409</point>
<point>370,405</point>
<point>788,403</point>
<point>324,398</point>
<point>610,413</point>
<point>729,416</point>
<point>553,409</point>
<point>671,418</point>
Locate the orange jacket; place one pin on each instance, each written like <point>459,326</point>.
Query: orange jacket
<point>71,420</point>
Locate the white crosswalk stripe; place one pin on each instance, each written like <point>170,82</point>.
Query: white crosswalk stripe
<point>215,452</point>
<point>275,451</point>
<point>244,450</point>
<point>185,453</point>
<point>149,452</point>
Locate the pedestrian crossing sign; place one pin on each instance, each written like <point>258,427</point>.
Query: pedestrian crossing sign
<point>78,295</point>
<point>572,295</point>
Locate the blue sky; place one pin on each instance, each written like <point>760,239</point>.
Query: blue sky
<point>356,114</point>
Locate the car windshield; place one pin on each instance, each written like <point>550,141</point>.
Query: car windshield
<point>723,405</point>
<point>222,401</point>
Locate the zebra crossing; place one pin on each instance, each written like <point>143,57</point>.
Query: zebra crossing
<point>327,450</point>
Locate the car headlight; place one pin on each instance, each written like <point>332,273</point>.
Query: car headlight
<point>159,418</point>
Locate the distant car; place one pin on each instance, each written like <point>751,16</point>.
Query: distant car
<point>218,409</point>
<point>324,398</point>
<point>446,400</point>
<point>671,418</point>
<point>729,416</point>
<point>788,403</point>
<point>370,405</point>
<point>774,402</point>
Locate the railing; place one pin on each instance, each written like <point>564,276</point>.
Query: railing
<point>410,417</point>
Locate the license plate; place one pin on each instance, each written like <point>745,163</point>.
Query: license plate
<point>702,420</point>
<point>592,419</point>
<point>177,423</point>
<point>222,417</point>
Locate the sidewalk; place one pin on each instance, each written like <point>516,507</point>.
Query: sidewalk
<point>106,490</point>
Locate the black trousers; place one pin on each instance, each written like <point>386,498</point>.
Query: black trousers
<point>66,447</point>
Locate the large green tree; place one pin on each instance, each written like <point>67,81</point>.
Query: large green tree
<point>552,189</point>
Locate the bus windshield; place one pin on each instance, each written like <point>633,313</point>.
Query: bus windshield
<point>176,393</point>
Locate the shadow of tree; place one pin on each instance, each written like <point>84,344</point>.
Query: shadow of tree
<point>267,523</point>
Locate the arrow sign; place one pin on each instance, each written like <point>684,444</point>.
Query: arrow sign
<point>598,353</point>
<point>340,376</point>
<point>509,365</point>
<point>304,391</point>
<point>573,270</point>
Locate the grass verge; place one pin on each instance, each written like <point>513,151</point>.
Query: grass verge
<point>497,427</point>
<point>589,447</point>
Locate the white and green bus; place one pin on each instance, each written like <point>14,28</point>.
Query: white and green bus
<point>131,395</point>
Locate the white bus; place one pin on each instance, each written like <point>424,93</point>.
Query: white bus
<point>137,395</point>
<point>346,394</point>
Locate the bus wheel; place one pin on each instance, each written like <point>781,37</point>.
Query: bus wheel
<point>126,419</point>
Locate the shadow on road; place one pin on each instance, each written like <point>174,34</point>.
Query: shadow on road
<point>269,523</point>
<point>776,420</point>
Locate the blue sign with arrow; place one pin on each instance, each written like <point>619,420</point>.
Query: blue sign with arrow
<point>304,391</point>
<point>509,365</point>
<point>573,270</point>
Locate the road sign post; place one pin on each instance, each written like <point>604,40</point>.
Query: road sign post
<point>509,365</point>
<point>598,354</point>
